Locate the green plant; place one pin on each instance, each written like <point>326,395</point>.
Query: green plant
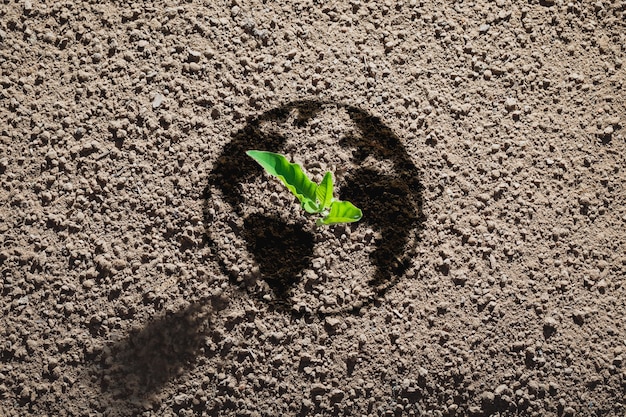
<point>313,197</point>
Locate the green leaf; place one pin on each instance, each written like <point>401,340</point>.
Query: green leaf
<point>314,198</point>
<point>325,191</point>
<point>291,175</point>
<point>310,206</point>
<point>341,212</point>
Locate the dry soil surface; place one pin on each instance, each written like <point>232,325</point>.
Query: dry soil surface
<point>149,268</point>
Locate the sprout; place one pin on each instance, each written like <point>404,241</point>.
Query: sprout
<point>313,197</point>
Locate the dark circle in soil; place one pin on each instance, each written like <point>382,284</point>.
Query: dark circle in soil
<point>268,246</point>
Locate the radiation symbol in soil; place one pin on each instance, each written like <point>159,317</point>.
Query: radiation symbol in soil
<point>265,241</point>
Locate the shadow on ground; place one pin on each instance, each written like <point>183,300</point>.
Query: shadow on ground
<point>134,370</point>
<point>289,248</point>
<point>391,203</point>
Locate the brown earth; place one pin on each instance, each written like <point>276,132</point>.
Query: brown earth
<point>149,268</point>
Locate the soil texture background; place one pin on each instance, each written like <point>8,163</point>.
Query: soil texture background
<point>149,268</point>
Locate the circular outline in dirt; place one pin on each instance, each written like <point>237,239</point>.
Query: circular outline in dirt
<point>391,204</point>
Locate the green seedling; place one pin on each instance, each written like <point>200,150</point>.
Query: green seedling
<point>313,197</point>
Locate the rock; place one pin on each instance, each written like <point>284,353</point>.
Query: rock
<point>510,104</point>
<point>579,317</point>
<point>51,155</point>
<point>501,389</point>
<point>167,119</point>
<point>332,322</point>
<point>102,263</point>
<point>194,56</point>
<point>550,323</point>
<point>157,101</point>
<point>83,76</point>
<point>49,37</point>
<point>488,397</point>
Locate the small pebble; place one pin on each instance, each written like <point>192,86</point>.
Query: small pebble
<point>501,389</point>
<point>550,323</point>
<point>158,99</point>
<point>488,397</point>
<point>510,104</point>
<point>332,322</point>
<point>194,56</point>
